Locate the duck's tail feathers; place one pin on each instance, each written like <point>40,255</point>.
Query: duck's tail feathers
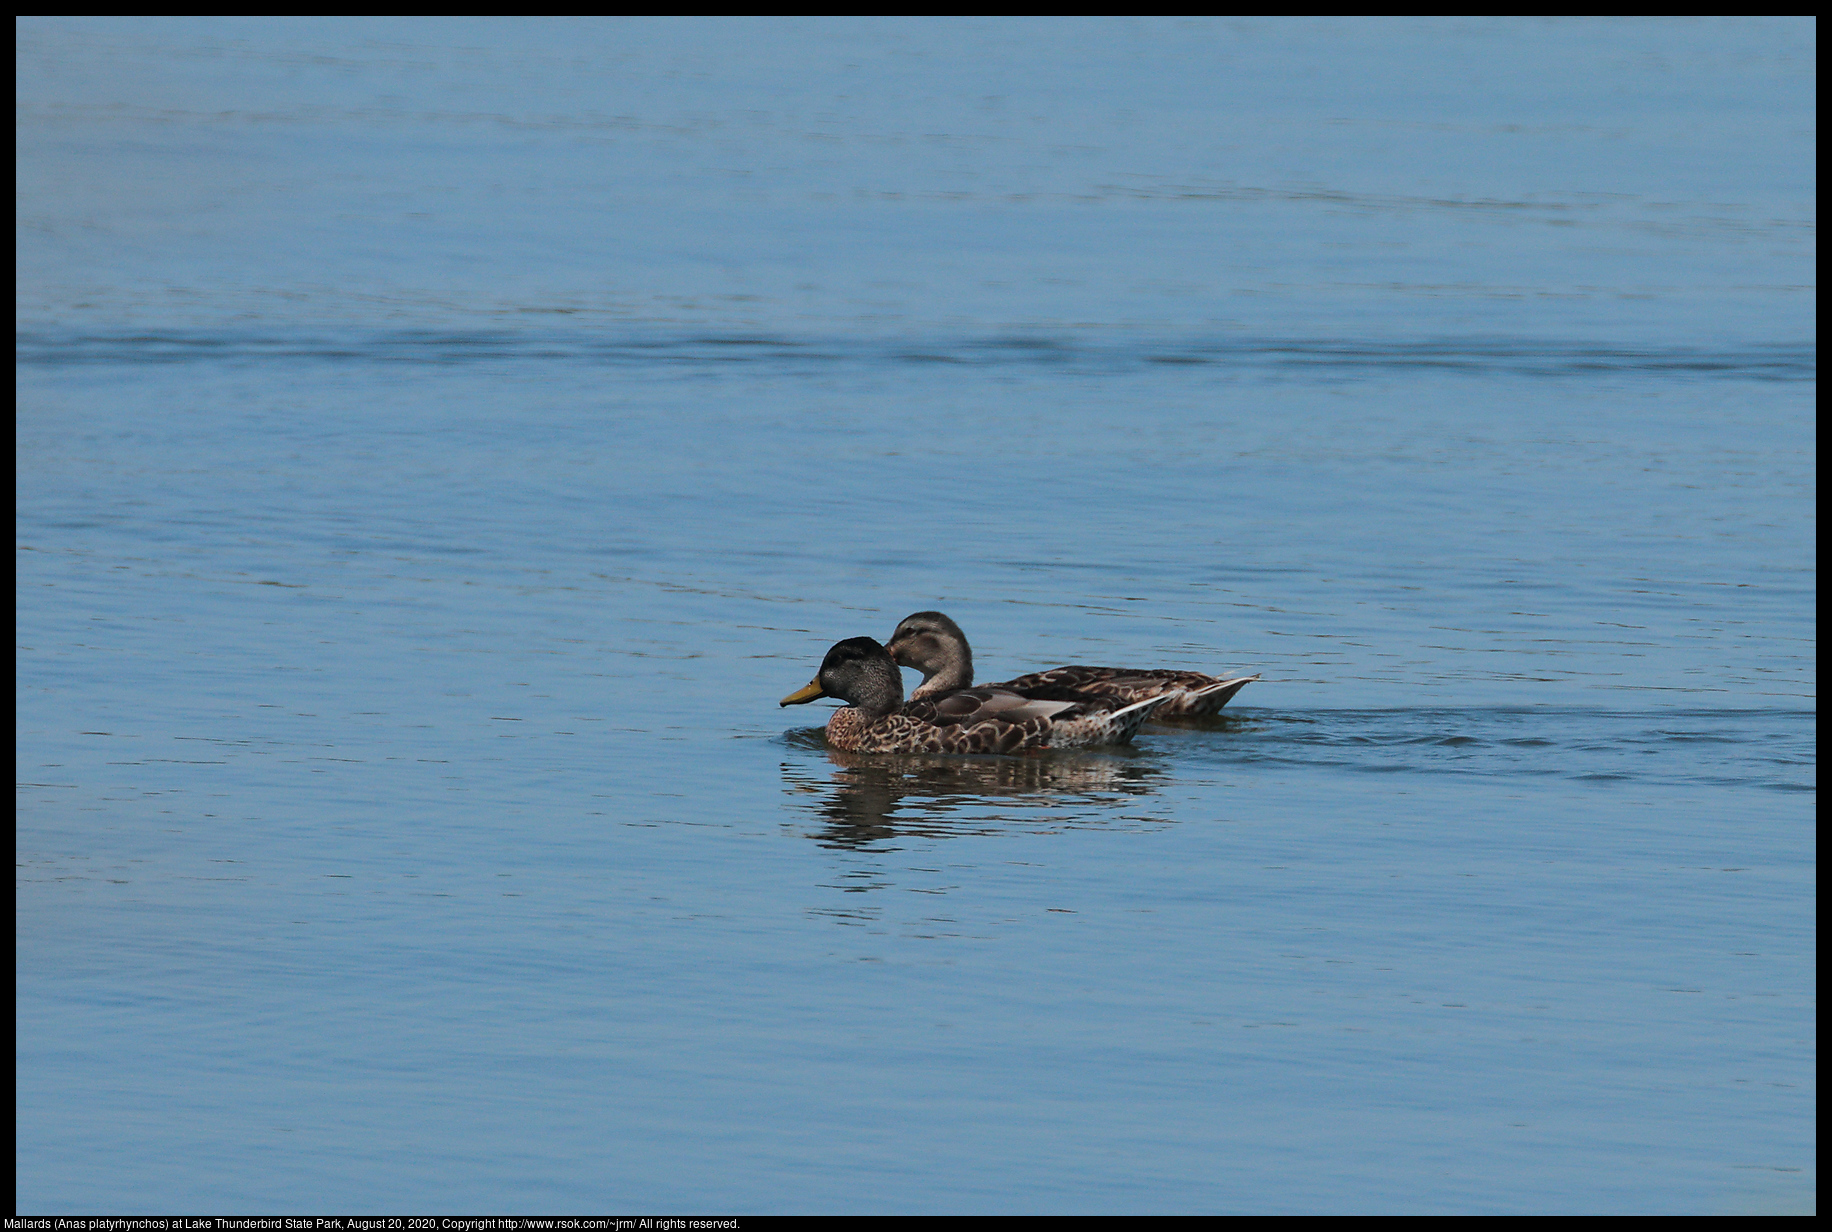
<point>1210,698</point>
<point>1128,719</point>
<point>1148,705</point>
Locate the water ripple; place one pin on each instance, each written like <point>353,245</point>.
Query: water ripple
<point>1777,362</point>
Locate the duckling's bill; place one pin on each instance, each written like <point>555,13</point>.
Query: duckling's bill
<point>806,693</point>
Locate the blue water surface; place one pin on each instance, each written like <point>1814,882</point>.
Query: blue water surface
<point>441,442</point>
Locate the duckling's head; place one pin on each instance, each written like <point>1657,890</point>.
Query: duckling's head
<point>933,645</point>
<point>857,671</point>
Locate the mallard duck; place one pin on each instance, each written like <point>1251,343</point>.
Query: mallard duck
<point>936,647</point>
<point>985,720</point>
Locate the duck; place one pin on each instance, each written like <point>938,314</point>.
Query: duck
<point>990,719</point>
<point>935,646</point>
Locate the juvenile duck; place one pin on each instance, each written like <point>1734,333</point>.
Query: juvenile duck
<point>936,647</point>
<point>985,720</point>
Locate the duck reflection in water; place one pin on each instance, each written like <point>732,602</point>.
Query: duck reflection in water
<point>875,796</point>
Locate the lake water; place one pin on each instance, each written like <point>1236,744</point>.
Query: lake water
<point>442,442</point>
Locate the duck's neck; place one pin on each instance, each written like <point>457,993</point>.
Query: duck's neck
<point>952,669</point>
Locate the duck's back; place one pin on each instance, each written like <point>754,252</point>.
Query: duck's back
<point>1185,694</point>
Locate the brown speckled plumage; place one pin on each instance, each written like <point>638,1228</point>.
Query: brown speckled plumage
<point>984,720</point>
<point>934,645</point>
<point>855,731</point>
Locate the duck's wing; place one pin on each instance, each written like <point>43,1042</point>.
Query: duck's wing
<point>994,702</point>
<point>1048,716</point>
<point>1185,694</point>
<point>1114,723</point>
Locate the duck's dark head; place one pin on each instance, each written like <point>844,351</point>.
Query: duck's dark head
<point>857,671</point>
<point>934,646</point>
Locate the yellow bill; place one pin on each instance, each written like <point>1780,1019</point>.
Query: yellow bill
<point>806,693</point>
